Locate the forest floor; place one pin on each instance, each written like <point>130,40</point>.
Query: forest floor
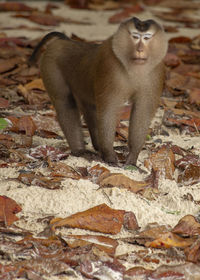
<point>38,172</point>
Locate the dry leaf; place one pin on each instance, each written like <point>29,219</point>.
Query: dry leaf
<point>187,226</point>
<point>8,209</point>
<point>121,181</point>
<point>193,252</point>
<point>162,161</point>
<point>168,240</point>
<point>31,178</point>
<point>15,6</point>
<point>126,13</point>
<point>194,96</point>
<point>60,169</point>
<point>100,218</point>
<point>97,171</point>
<point>104,243</point>
<point>47,152</point>
<point>4,103</point>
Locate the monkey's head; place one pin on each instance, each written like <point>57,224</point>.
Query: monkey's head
<point>140,42</point>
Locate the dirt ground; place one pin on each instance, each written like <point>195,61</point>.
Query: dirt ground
<point>79,195</point>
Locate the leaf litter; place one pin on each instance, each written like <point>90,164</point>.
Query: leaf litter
<point>94,256</point>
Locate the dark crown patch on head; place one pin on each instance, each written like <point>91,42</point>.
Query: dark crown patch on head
<point>142,25</point>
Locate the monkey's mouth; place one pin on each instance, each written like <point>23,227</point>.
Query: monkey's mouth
<point>139,60</point>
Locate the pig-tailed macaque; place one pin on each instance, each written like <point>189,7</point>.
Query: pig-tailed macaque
<point>97,79</point>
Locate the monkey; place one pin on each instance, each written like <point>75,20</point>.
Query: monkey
<point>97,79</point>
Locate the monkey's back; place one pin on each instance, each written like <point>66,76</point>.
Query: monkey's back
<point>76,61</point>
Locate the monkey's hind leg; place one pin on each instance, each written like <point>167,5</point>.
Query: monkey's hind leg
<point>66,109</point>
<point>89,112</point>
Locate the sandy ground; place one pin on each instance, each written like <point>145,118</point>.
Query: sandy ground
<point>80,195</point>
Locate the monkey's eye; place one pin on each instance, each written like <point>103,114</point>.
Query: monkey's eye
<point>136,35</point>
<point>147,36</point>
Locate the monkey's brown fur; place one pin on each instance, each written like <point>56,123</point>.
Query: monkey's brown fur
<point>97,79</point>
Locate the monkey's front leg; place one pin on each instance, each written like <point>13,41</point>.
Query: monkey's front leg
<point>141,115</point>
<point>106,121</point>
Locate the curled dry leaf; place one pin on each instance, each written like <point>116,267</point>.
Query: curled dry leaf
<point>103,243</point>
<point>60,169</point>
<point>34,92</point>
<point>162,161</point>
<point>96,172</point>
<point>8,209</point>
<point>119,180</point>
<point>100,218</point>
<point>24,123</point>
<point>187,226</point>
<point>130,221</point>
<point>39,180</point>
<point>190,169</point>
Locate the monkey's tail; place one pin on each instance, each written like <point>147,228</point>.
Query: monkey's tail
<point>33,58</point>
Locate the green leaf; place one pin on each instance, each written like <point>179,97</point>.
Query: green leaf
<point>168,211</point>
<point>3,123</point>
<point>130,167</point>
<point>148,137</point>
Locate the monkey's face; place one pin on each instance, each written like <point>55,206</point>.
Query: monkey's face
<point>147,41</point>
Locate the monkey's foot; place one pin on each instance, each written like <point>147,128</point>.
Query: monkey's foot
<point>110,159</point>
<point>89,155</point>
<point>131,160</point>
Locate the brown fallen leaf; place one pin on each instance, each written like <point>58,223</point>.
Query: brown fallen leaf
<point>190,176</point>
<point>194,96</point>
<point>180,40</point>
<point>178,84</point>
<point>22,124</point>
<point>162,161</point>
<point>27,124</point>
<point>130,221</point>
<point>187,226</point>
<point>193,252</point>
<point>126,13</point>
<point>139,272</point>
<point>97,171</point>
<point>101,269</point>
<point>49,19</point>
<point>34,92</point>
<point>104,243</point>
<point>15,6</point>
<point>8,209</point>
<point>172,60</point>
<point>100,218</point>
<point>60,169</point>
<point>47,152</point>
<point>121,181</point>
<point>78,4</point>
<point>4,103</point>
<point>122,132</point>
<point>169,240</point>
<point>7,65</point>
<point>31,178</point>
